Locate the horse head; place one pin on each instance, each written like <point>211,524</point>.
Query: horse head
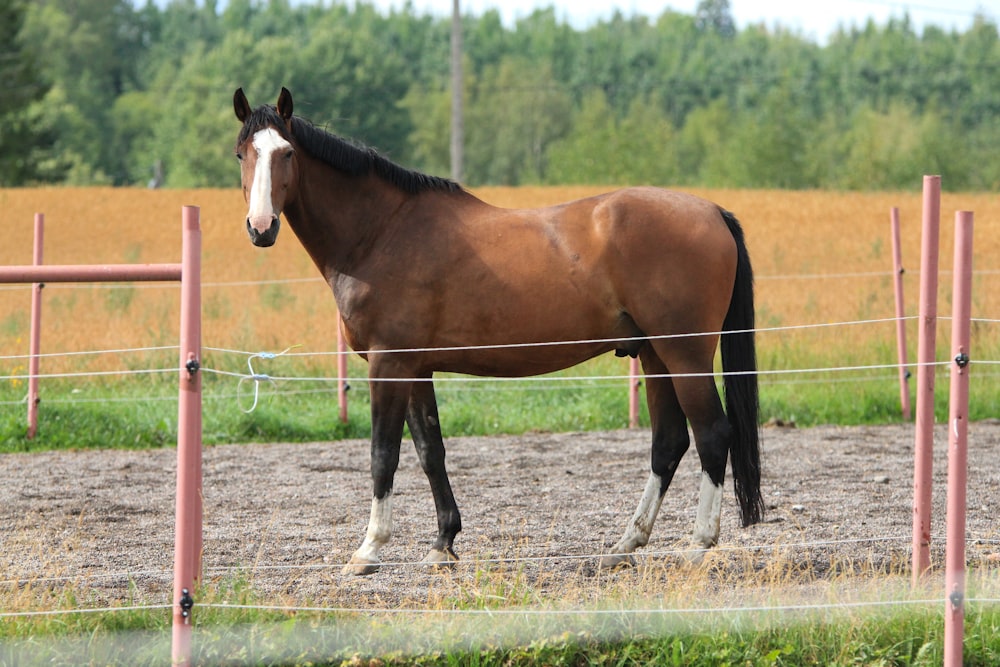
<point>268,169</point>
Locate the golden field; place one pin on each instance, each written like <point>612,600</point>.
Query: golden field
<point>795,239</point>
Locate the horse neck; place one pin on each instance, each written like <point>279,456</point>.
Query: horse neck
<point>338,217</point>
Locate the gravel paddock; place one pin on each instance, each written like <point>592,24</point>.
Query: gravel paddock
<point>287,515</point>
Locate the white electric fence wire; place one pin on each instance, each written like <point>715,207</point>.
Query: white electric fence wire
<point>536,385</point>
<point>477,612</point>
<point>591,381</point>
<point>566,378</point>
<point>524,612</point>
<point>586,341</point>
<point>90,577</point>
<point>258,378</point>
<point>535,612</point>
<point>87,610</point>
<point>287,352</point>
<point>476,563</point>
<point>131,350</point>
<point>83,374</point>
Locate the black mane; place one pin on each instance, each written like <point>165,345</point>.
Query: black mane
<point>342,154</point>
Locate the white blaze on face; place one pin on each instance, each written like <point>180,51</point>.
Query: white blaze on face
<point>266,143</point>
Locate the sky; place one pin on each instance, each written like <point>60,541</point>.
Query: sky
<point>814,19</point>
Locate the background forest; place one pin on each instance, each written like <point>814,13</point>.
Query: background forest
<point>111,92</point>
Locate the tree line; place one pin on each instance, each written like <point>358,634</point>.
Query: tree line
<point>107,92</point>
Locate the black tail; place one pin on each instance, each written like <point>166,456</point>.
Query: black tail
<point>739,363</point>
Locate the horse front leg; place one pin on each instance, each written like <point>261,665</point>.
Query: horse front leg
<point>425,427</point>
<point>389,401</point>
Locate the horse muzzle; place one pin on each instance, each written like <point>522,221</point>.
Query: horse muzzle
<point>264,238</point>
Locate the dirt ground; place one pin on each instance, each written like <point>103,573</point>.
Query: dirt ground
<point>288,515</point>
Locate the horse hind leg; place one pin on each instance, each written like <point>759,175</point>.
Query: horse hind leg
<point>425,427</point>
<point>690,360</point>
<point>700,400</point>
<point>670,442</point>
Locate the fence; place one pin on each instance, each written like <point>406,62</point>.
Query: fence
<point>188,517</point>
<point>106,273</point>
<point>182,646</point>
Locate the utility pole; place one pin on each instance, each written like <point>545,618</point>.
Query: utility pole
<point>457,85</point>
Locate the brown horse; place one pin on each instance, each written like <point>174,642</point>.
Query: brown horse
<point>422,270</point>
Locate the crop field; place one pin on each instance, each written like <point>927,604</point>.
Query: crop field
<point>819,257</point>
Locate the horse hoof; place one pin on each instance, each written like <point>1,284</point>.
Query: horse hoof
<point>360,567</point>
<point>438,560</point>
<point>616,561</point>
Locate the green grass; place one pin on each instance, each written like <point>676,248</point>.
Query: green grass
<point>910,633</point>
<point>141,411</point>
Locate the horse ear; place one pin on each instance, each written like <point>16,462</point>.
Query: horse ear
<point>285,104</point>
<point>241,105</point>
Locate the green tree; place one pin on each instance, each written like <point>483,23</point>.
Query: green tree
<point>108,89</point>
<point>600,149</point>
<point>25,136</point>
<point>703,145</point>
<point>619,57</point>
<point>349,79</point>
<point>715,16</point>
<point>193,125</point>
<point>135,116</point>
<point>892,149</point>
<point>486,40</point>
<point>516,110</point>
<point>769,144</point>
<point>873,66</point>
<point>543,39</point>
<point>88,55</point>
<point>978,57</point>
<point>677,89</point>
<point>430,118</point>
<point>584,155</point>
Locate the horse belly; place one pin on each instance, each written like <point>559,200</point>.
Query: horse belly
<point>515,340</point>
<point>518,361</point>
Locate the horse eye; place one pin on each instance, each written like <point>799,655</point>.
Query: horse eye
<point>290,154</point>
<point>239,156</point>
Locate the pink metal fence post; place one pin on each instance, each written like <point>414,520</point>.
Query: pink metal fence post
<point>897,265</point>
<point>958,422</point>
<point>188,530</point>
<point>926,354</point>
<point>633,393</point>
<point>35,334</point>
